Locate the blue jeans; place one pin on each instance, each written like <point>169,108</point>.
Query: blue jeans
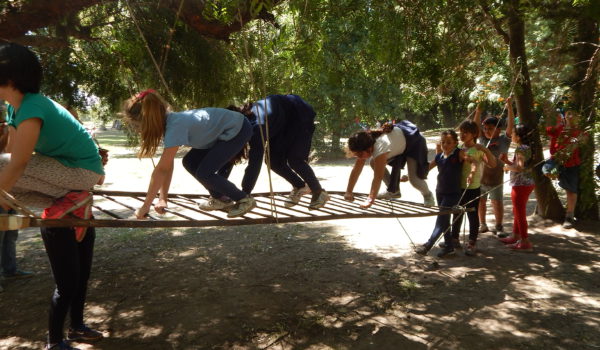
<point>442,223</point>
<point>8,250</point>
<point>207,165</point>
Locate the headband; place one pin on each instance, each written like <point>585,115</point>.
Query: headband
<point>143,94</point>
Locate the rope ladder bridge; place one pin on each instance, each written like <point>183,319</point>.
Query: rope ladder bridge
<point>116,209</point>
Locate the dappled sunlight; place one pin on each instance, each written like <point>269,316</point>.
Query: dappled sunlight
<point>588,269</point>
<point>370,236</point>
<point>345,299</point>
<point>142,331</point>
<point>16,343</point>
<point>131,314</point>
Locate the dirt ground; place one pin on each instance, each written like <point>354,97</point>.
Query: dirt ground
<point>346,284</point>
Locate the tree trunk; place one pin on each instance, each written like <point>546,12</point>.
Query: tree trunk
<point>336,133</point>
<point>584,81</point>
<point>548,203</point>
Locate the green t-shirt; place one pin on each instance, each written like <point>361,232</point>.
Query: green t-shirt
<point>477,156</point>
<point>62,137</point>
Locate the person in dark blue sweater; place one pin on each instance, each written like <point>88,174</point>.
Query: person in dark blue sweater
<point>287,123</point>
<point>449,161</point>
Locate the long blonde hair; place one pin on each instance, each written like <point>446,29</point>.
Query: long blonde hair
<point>146,113</point>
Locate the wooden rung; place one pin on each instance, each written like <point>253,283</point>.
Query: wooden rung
<point>10,222</point>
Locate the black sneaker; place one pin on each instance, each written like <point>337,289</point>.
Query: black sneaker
<point>498,229</point>
<point>423,249</point>
<point>18,274</point>
<point>60,346</point>
<point>455,243</point>
<point>446,252</point>
<point>503,234</point>
<point>84,333</point>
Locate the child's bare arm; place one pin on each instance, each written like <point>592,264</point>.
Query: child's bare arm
<point>511,117</point>
<point>488,158</point>
<point>432,164</point>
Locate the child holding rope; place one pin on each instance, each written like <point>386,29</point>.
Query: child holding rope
<point>291,125</point>
<point>521,180</point>
<point>492,180</point>
<point>564,148</point>
<point>216,136</point>
<point>470,185</point>
<point>394,145</point>
<point>449,160</point>
<point>60,174</point>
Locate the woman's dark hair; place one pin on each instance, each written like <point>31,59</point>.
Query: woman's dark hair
<point>451,133</point>
<point>469,126</point>
<point>365,139</point>
<point>234,108</point>
<point>20,67</point>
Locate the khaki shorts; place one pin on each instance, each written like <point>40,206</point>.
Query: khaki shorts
<point>496,192</point>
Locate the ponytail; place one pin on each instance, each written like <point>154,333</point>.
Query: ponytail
<point>146,113</point>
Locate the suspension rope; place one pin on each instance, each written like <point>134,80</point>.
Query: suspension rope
<point>264,138</point>
<point>171,32</point>
<point>143,37</point>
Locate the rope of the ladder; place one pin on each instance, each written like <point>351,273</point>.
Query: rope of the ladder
<point>512,89</point>
<point>8,200</point>
<point>171,32</point>
<point>158,70</point>
<point>264,138</point>
<point>389,202</point>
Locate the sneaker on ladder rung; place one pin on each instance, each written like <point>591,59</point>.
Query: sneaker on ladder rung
<point>77,204</point>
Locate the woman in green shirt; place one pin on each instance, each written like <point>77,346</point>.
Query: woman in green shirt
<point>64,167</point>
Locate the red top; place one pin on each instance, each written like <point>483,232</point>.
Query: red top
<point>561,138</point>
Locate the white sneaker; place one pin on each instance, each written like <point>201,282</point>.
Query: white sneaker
<point>295,195</point>
<point>215,204</point>
<point>389,195</point>
<point>242,206</point>
<point>428,200</point>
<point>320,201</point>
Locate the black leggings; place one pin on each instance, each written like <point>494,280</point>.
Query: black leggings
<point>71,263</point>
<point>470,195</point>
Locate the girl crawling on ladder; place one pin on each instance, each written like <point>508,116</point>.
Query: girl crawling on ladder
<point>216,135</point>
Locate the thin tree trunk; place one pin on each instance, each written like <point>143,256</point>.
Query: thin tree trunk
<point>584,82</point>
<point>548,203</point>
<point>336,133</point>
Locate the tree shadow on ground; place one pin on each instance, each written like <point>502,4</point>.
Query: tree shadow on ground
<point>305,287</point>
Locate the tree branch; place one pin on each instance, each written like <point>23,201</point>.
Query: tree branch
<point>495,22</point>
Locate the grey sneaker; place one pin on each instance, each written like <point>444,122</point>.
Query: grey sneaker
<point>428,200</point>
<point>215,204</point>
<point>295,195</point>
<point>389,195</point>
<point>423,249</point>
<point>471,250</point>
<point>242,206</point>
<point>483,228</point>
<point>318,201</point>
<point>569,222</point>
